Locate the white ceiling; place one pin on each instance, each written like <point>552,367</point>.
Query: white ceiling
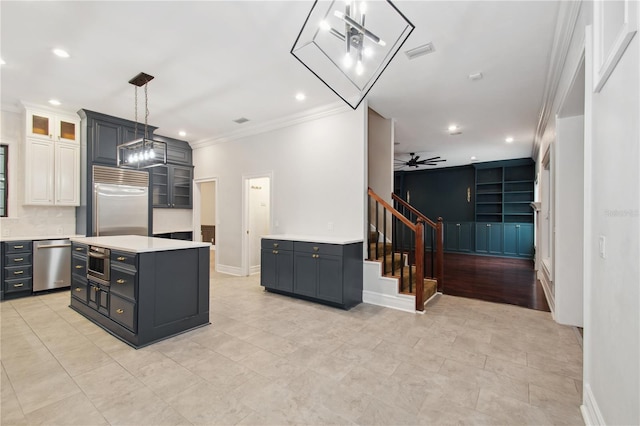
<point>216,61</point>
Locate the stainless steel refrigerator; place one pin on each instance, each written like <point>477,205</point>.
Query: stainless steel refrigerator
<point>120,202</point>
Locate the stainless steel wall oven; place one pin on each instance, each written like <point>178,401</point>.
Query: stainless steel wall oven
<point>99,264</point>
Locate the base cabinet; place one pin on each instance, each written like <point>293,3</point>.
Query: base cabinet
<point>16,279</point>
<point>458,236</point>
<point>489,238</point>
<point>518,239</point>
<point>148,298</point>
<point>326,273</point>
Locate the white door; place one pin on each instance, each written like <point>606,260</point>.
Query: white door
<point>257,219</point>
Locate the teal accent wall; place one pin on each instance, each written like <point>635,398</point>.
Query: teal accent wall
<point>440,192</point>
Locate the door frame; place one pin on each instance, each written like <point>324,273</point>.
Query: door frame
<point>196,211</point>
<point>246,267</point>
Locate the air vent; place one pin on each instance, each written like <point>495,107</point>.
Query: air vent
<point>420,51</point>
<point>241,120</point>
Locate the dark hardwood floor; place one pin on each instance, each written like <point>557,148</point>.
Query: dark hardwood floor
<point>494,279</point>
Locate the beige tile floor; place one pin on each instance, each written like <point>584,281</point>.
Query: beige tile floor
<point>270,359</point>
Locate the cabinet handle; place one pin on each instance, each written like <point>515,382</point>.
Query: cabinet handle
<point>457,224</point>
<point>122,258</point>
<point>517,226</point>
<point>275,252</point>
<point>79,249</point>
<point>121,281</point>
<point>18,259</point>
<point>18,272</point>
<point>78,289</point>
<point>96,289</point>
<point>119,311</point>
<point>315,249</point>
<point>276,245</point>
<point>18,285</point>
<point>79,266</point>
<point>17,247</point>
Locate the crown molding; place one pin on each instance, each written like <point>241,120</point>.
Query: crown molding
<point>565,27</point>
<point>279,123</point>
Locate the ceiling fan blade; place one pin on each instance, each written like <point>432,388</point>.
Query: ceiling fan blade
<point>416,158</point>
<point>432,158</point>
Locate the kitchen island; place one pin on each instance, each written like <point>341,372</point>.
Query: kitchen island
<point>140,289</point>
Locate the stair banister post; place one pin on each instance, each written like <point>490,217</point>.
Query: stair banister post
<point>440,254</point>
<point>419,265</point>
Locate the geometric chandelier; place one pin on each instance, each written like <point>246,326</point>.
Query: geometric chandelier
<point>141,153</point>
<point>348,44</point>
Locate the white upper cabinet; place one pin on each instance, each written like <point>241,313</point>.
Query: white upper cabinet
<point>52,159</point>
<point>52,126</point>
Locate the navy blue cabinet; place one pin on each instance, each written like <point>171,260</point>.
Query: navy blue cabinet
<point>458,236</point>
<point>276,262</point>
<point>518,239</point>
<point>489,238</point>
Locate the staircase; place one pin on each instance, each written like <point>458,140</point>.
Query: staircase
<point>408,248</point>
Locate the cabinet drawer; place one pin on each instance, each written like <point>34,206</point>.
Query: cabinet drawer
<point>123,312</point>
<point>17,259</point>
<point>315,248</point>
<point>123,283</point>
<point>20,284</point>
<point>277,244</point>
<point>17,247</point>
<point>79,289</point>
<point>79,249</point>
<point>123,258</point>
<point>79,265</point>
<point>17,272</point>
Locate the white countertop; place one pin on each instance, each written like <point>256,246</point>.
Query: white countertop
<point>138,243</point>
<point>314,239</point>
<point>39,237</point>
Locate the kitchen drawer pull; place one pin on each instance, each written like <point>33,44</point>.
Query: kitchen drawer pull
<point>276,245</point>
<point>17,247</point>
<point>119,311</point>
<point>18,272</point>
<point>79,249</point>
<point>275,252</point>
<point>18,285</point>
<point>120,281</point>
<point>78,289</point>
<point>18,259</point>
<point>122,258</point>
<point>79,266</point>
<point>96,289</point>
<point>316,249</point>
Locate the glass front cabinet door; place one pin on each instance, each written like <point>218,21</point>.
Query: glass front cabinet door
<point>45,125</point>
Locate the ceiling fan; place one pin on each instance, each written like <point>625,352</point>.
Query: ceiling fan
<point>415,161</point>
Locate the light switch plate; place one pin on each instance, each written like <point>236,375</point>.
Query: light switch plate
<point>602,247</point>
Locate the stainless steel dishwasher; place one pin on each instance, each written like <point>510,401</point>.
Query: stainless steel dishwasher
<point>51,264</point>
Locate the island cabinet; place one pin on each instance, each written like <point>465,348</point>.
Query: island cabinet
<point>326,272</point>
<point>157,288</point>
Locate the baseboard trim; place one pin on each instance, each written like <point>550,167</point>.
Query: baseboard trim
<point>231,270</point>
<point>591,413</point>
<point>254,270</point>
<point>400,302</point>
<point>551,301</point>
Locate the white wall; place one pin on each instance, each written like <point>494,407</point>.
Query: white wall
<point>569,212</point>
<point>380,158</point>
<point>259,218</point>
<point>208,203</point>
<point>612,313</point>
<point>318,169</point>
<point>28,221</point>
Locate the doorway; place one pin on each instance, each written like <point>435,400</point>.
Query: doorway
<point>257,219</point>
<point>205,215</point>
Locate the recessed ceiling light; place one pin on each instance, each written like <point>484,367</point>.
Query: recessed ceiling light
<point>182,133</point>
<point>61,53</point>
<point>475,76</point>
<point>473,158</point>
<point>54,102</point>
<point>301,96</point>
<point>509,139</point>
<point>453,128</point>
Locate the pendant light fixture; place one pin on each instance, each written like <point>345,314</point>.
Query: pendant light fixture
<point>348,44</point>
<point>144,152</point>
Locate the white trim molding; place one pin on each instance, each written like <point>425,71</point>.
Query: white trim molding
<point>618,28</point>
<point>591,413</point>
<point>227,269</point>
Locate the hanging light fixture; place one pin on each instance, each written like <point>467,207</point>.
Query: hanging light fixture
<point>144,152</point>
<point>348,44</point>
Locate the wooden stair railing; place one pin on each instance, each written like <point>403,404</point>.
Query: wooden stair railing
<point>434,231</point>
<point>402,229</point>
